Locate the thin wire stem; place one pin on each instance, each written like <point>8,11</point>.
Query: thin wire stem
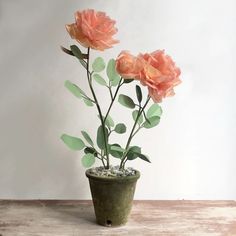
<point>113,99</point>
<point>131,133</point>
<point>99,111</point>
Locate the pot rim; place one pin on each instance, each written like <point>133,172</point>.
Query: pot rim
<point>130,178</point>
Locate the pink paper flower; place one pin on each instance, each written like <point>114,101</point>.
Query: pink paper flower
<point>128,66</point>
<point>156,70</point>
<point>93,29</point>
<point>160,74</point>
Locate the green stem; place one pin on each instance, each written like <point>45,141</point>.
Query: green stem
<point>113,99</point>
<point>110,92</point>
<point>99,111</point>
<point>123,166</point>
<point>129,139</point>
<point>145,117</point>
<point>103,163</point>
<point>110,133</point>
<point>131,133</point>
<point>102,159</point>
<point>140,127</point>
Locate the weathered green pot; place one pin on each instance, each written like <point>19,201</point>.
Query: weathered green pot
<point>112,197</point>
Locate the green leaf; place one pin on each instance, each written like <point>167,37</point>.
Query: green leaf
<point>115,82</point>
<point>88,102</point>
<point>154,110</point>
<point>127,81</point>
<point>100,137</point>
<point>126,101</point>
<point>146,119</point>
<point>132,152</point>
<point>76,51</point>
<point>139,93</point>
<point>73,142</point>
<point>74,89</point>
<point>112,73</point>
<point>87,137</point>
<point>117,148</point>
<point>90,150</point>
<point>153,121</point>
<point>78,54</point>
<point>120,128</point>
<point>98,64</point>
<point>99,79</point>
<point>116,152</point>
<point>143,157</point>
<point>109,121</point>
<point>67,51</point>
<point>135,114</point>
<point>88,160</point>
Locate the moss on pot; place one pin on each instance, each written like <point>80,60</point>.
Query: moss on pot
<point>112,197</point>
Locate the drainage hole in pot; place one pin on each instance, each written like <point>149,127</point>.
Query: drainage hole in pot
<point>109,222</point>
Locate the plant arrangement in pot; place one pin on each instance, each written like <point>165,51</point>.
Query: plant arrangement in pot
<point>113,187</point>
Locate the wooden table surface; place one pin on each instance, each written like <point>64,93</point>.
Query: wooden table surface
<point>76,218</point>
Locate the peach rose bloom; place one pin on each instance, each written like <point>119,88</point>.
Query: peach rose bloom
<point>156,70</point>
<point>128,66</point>
<point>160,74</point>
<point>93,29</point>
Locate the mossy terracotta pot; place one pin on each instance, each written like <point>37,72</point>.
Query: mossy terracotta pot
<point>112,197</point>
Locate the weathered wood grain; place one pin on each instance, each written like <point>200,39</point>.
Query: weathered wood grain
<point>76,218</point>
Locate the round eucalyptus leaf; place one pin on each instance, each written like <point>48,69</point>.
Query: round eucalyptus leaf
<point>88,102</point>
<point>98,78</point>
<point>100,137</point>
<point>98,64</point>
<point>88,160</point>
<point>74,89</point>
<point>112,73</point>
<point>87,137</point>
<point>154,110</point>
<point>73,143</point>
<point>115,150</point>
<point>135,114</point>
<point>126,101</point>
<point>152,122</point>
<point>133,152</point>
<point>120,128</point>
<point>109,121</point>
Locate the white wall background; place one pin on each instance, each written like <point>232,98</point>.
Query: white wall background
<point>193,149</point>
